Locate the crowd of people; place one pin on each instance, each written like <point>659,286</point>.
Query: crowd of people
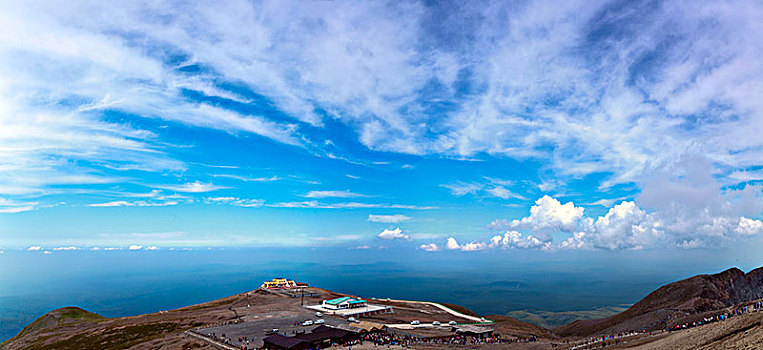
<point>756,306</point>
<point>604,341</point>
<point>391,338</point>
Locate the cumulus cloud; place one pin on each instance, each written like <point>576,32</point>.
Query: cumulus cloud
<point>474,246</point>
<point>430,247</point>
<point>686,219</point>
<point>153,247</point>
<point>681,205</point>
<point>66,248</point>
<point>452,244</point>
<point>388,219</point>
<point>549,215</point>
<point>624,226</point>
<point>514,239</point>
<point>588,86</point>
<point>135,247</point>
<point>35,248</point>
<point>396,233</point>
<point>749,226</point>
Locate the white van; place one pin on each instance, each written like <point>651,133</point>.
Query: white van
<point>415,323</point>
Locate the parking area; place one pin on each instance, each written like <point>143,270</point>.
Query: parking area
<point>251,333</point>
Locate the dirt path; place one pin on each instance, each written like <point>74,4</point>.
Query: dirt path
<point>214,343</point>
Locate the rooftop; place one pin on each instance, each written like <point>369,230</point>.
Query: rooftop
<point>341,300</point>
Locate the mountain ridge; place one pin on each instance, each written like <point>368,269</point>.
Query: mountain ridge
<point>673,301</point>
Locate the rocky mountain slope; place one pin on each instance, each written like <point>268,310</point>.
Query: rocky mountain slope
<point>672,302</point>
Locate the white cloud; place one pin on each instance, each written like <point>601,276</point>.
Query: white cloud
<point>47,252</point>
<point>460,188</point>
<point>749,226</point>
<point>474,246</point>
<point>248,179</point>
<point>248,203</point>
<point>192,187</point>
<point>360,247</point>
<point>134,204</point>
<point>634,103</point>
<point>153,247</point>
<point>549,215</point>
<point>514,239</point>
<point>347,205</point>
<point>66,248</point>
<point>388,219</point>
<point>452,244</point>
<point>489,186</point>
<point>684,210</point>
<point>503,193</point>
<point>430,247</point>
<point>112,248</point>
<point>11,206</point>
<point>333,194</point>
<point>396,233</point>
<point>135,247</point>
<point>35,248</point>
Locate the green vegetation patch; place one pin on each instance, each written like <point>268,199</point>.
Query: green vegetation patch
<point>66,315</point>
<point>117,337</point>
<point>551,319</point>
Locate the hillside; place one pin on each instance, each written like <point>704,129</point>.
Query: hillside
<point>76,329</point>
<point>670,303</point>
<point>58,317</point>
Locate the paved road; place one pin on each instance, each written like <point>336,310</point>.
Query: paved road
<point>441,307</point>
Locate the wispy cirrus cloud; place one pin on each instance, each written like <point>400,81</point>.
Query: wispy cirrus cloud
<point>10,206</point>
<point>388,219</point>
<point>347,205</point>
<point>192,187</point>
<point>333,194</point>
<point>488,187</point>
<point>133,204</point>
<point>574,95</point>
<point>235,201</point>
<point>248,179</point>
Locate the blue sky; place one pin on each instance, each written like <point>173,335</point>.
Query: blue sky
<point>591,125</point>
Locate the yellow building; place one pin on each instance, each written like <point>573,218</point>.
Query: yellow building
<point>278,283</point>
